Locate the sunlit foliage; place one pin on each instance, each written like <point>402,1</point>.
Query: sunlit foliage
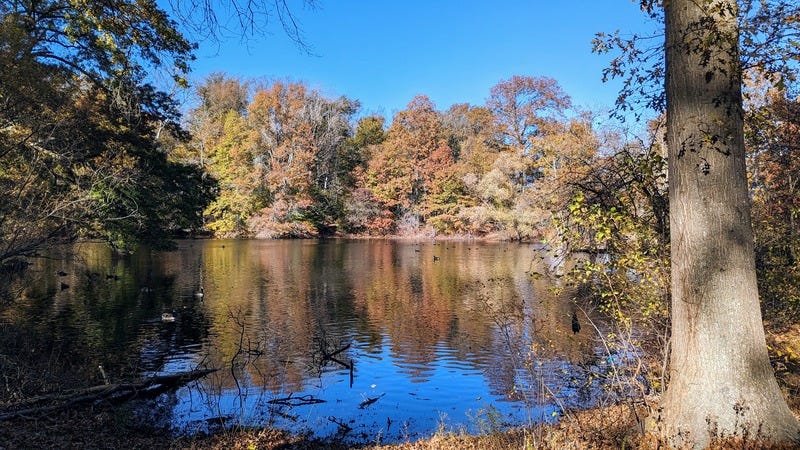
<point>773,138</point>
<point>291,163</point>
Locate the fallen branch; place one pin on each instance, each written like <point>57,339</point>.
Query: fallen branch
<point>332,357</point>
<point>114,393</point>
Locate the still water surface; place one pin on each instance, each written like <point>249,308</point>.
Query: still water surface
<point>430,335</point>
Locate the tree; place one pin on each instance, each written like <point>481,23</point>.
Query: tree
<point>360,208</point>
<point>215,19</point>
<point>773,138</point>
<point>768,32</point>
<point>405,169</point>
<point>217,95</point>
<point>298,135</point>
<point>242,189</point>
<point>524,107</point>
<point>84,136</point>
<point>720,377</point>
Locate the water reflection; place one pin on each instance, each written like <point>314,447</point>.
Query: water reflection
<point>437,333</point>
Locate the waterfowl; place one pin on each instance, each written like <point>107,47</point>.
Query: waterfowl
<point>61,273</point>
<point>199,294</point>
<point>167,317</point>
<point>435,258</point>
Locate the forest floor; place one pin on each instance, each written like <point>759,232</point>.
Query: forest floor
<point>610,427</point>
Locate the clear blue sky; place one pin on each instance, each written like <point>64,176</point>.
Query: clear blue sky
<point>382,53</point>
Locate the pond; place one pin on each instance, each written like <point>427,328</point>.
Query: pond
<point>366,340</point>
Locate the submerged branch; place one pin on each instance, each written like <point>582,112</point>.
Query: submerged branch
<point>296,401</point>
<point>115,393</point>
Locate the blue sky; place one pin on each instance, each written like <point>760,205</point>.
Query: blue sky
<point>382,53</point>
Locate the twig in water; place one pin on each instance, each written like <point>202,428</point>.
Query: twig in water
<point>369,401</point>
<point>343,427</point>
<point>296,401</point>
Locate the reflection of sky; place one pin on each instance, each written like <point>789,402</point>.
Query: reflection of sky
<point>410,402</point>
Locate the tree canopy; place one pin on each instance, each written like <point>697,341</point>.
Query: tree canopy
<point>85,136</point>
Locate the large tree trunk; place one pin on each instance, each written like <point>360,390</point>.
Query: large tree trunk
<point>721,382</point>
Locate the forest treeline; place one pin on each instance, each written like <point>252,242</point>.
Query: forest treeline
<point>291,162</point>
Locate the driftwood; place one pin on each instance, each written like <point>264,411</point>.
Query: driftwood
<point>112,393</point>
<point>332,357</point>
<point>332,354</point>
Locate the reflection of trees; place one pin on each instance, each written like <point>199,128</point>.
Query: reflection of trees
<point>256,298</point>
<point>271,303</point>
<point>472,300</point>
<point>532,322</point>
<point>395,291</point>
<point>96,314</point>
<point>270,306</point>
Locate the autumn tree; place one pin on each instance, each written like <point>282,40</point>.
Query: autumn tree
<point>404,170</point>
<point>476,142</point>
<point>717,332</point>
<point>525,107</point>
<point>361,210</point>
<point>611,207</point>
<point>355,150</point>
<point>217,95</point>
<point>772,123</point>
<point>473,136</point>
<point>242,187</point>
<point>521,110</point>
<point>566,154</point>
<point>720,377</point>
<point>297,137</point>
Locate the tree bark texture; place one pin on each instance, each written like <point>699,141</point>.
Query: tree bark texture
<point>721,382</point>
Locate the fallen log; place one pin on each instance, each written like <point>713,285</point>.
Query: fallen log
<point>112,393</point>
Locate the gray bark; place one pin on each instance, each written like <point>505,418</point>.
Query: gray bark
<point>721,382</point>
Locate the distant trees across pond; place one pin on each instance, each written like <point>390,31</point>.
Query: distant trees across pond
<point>291,162</point>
